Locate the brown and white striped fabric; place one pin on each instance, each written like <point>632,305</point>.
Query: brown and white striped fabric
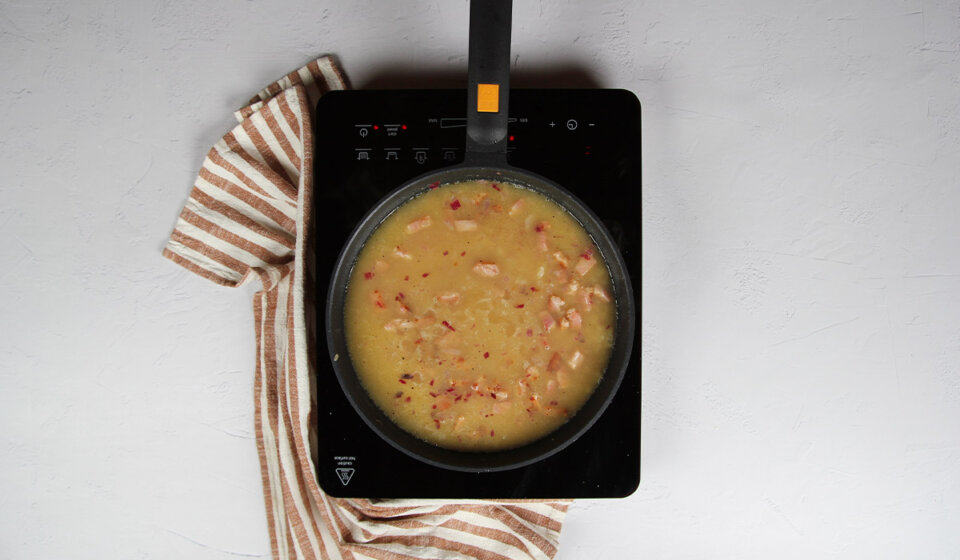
<point>245,215</point>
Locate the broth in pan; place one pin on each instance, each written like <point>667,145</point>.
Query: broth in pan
<point>479,316</point>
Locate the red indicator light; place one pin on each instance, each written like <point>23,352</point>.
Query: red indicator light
<point>404,127</point>
<point>376,127</point>
<point>512,137</point>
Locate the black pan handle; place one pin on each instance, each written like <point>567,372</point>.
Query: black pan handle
<point>488,72</point>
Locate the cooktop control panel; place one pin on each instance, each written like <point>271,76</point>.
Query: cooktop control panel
<point>368,143</point>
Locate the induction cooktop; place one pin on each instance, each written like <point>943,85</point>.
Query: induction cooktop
<point>368,143</point>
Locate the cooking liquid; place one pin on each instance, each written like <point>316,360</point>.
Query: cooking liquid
<point>479,316</point>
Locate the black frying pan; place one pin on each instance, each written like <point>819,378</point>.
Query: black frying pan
<point>485,159</point>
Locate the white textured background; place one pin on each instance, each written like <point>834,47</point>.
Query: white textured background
<point>801,327</point>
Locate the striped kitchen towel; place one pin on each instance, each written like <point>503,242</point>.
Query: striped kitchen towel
<point>245,216</point>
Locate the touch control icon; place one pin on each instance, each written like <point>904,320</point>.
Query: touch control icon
<point>572,124</point>
<point>420,156</point>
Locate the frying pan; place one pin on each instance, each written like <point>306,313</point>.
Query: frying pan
<point>485,159</point>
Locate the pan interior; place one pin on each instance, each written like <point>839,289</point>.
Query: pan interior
<point>479,316</point>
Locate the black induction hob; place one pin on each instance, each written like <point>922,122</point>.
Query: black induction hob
<point>367,143</point>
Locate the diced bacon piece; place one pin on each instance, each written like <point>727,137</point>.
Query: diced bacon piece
<point>502,395</point>
<point>556,304</point>
<point>584,265</point>
<point>575,359</point>
<point>459,423</point>
<point>486,269</point>
<point>443,402</point>
<point>562,259</point>
<point>534,403</point>
<point>564,323</point>
<point>561,275</point>
<point>539,273</point>
<point>500,408</point>
<point>556,362</point>
<point>542,241</point>
<point>563,377</point>
<point>572,287</point>
<point>377,298</point>
<point>381,266</point>
<point>517,207</point>
<point>586,296</point>
<point>576,321</point>
<point>551,386</point>
<point>547,321</point>
<point>533,373</point>
<point>401,254</point>
<point>600,293</point>
<point>398,325</point>
<point>521,388</point>
<point>449,297</point>
<point>464,225</point>
<point>418,224</point>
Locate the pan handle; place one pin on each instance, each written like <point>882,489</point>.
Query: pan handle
<point>488,73</point>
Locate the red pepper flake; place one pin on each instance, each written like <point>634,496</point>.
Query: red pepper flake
<point>463,253</point>
<point>404,381</point>
<point>368,275</point>
<point>406,278</point>
<point>553,403</point>
<point>407,376</point>
<point>458,398</point>
<point>539,227</point>
<point>455,204</point>
<point>432,186</point>
<point>437,422</point>
<point>486,355</point>
<point>491,433</point>
<point>425,274</point>
<point>431,381</point>
<point>519,306</point>
<point>533,288</point>
<point>445,253</point>
<point>529,332</point>
<point>407,399</point>
<point>398,395</point>
<point>434,406</point>
<point>586,256</point>
<point>495,187</point>
<point>448,325</point>
<point>432,394</point>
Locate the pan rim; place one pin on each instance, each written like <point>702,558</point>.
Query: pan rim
<point>484,461</point>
